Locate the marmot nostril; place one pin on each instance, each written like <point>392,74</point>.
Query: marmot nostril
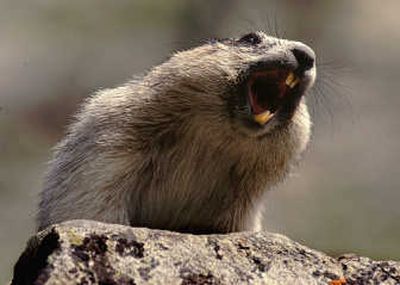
<point>304,56</point>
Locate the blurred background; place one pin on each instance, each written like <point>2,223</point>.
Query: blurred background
<point>345,195</point>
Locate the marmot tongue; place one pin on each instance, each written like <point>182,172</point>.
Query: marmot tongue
<point>256,108</point>
<point>265,88</point>
<point>261,114</point>
<point>265,92</point>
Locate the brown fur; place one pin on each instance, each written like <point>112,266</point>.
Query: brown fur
<point>164,151</point>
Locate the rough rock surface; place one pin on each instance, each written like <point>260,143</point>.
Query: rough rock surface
<point>87,252</point>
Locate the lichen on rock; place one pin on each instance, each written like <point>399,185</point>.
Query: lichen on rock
<point>88,252</point>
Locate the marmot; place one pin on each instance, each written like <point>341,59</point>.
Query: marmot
<point>192,145</point>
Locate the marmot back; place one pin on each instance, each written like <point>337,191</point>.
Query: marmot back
<point>190,147</point>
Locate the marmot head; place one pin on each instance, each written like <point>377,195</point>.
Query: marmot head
<point>254,84</point>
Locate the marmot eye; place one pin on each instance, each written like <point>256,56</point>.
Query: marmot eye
<point>252,39</point>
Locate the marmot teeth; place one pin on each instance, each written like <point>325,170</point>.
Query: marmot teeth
<point>292,80</point>
<point>263,117</point>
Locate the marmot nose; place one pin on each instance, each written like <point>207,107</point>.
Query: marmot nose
<point>305,57</point>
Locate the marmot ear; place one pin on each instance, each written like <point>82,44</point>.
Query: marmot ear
<point>250,39</point>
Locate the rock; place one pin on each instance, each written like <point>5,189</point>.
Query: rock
<point>88,252</point>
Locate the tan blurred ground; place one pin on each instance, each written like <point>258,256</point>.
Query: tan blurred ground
<point>344,197</point>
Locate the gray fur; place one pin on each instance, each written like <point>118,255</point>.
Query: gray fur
<point>163,152</point>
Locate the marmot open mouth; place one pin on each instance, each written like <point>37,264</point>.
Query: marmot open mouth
<point>268,90</point>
